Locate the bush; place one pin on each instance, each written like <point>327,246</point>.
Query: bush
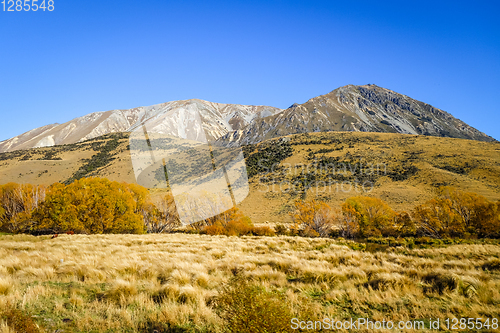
<point>440,282</point>
<point>214,230</point>
<point>423,240</point>
<point>238,228</point>
<point>280,229</point>
<point>229,223</point>
<point>247,308</point>
<point>19,320</point>
<point>309,232</point>
<point>263,231</point>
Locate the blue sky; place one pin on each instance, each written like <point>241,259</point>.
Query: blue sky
<point>90,55</point>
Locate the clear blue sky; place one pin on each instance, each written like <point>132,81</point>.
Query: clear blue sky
<point>91,55</point>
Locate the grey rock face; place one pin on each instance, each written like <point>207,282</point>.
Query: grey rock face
<point>219,119</point>
<point>367,108</point>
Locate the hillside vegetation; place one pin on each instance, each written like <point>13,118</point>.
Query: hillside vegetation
<point>407,169</point>
<point>403,170</point>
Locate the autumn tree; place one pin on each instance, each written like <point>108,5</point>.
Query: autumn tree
<point>437,219</point>
<point>347,223</point>
<point>140,195</point>
<point>455,213</point>
<point>90,205</point>
<point>404,225</point>
<point>477,214</point>
<point>373,215</point>
<point>313,214</point>
<point>17,204</point>
<point>161,217</point>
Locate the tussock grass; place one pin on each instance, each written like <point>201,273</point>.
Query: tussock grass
<point>201,283</point>
<point>6,285</point>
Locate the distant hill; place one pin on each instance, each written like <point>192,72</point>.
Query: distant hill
<point>366,108</point>
<point>410,167</point>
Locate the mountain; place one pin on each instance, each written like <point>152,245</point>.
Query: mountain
<point>218,119</point>
<point>351,108</point>
<point>366,108</point>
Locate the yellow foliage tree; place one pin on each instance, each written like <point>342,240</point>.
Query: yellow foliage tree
<point>91,205</point>
<point>455,213</point>
<point>477,214</point>
<point>314,215</point>
<point>373,215</point>
<point>404,225</point>
<point>436,218</point>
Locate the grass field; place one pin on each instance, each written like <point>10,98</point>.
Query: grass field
<point>200,283</point>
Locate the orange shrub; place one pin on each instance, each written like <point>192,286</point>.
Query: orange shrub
<point>214,230</point>
<point>231,223</point>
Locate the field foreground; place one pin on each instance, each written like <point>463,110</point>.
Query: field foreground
<point>200,283</point>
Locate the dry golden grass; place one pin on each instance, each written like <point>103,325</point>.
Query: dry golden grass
<point>130,283</point>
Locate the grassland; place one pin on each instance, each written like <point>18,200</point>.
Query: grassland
<point>177,282</point>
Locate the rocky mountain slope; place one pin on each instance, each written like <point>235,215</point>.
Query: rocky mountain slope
<point>366,108</point>
<point>218,119</point>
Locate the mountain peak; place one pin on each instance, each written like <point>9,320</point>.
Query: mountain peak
<point>365,108</point>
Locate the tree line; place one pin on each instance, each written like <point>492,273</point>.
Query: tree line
<point>451,214</point>
<point>88,205</point>
<point>98,205</point>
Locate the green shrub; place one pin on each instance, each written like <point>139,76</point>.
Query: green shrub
<point>423,240</point>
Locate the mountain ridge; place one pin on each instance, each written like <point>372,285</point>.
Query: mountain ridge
<point>218,119</point>
<point>363,108</point>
